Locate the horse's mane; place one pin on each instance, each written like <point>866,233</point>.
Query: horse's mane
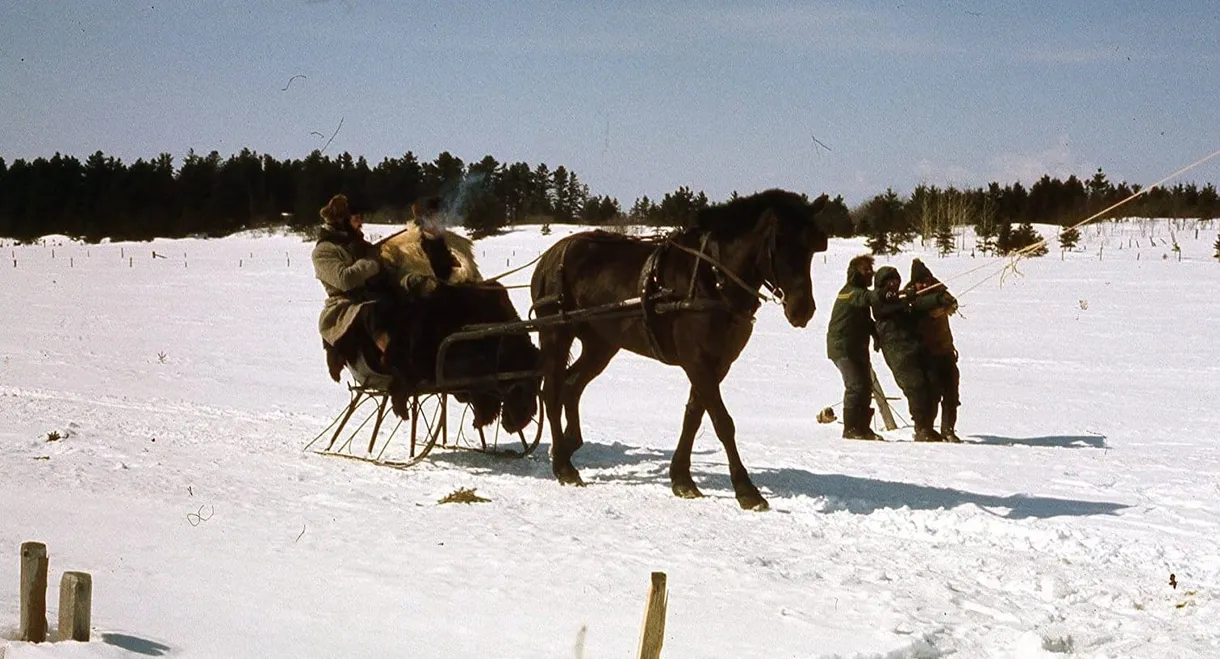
<point>736,217</point>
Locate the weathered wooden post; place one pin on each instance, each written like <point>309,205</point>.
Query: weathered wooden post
<point>75,606</point>
<point>33,592</point>
<point>652,636</point>
<point>887,415</point>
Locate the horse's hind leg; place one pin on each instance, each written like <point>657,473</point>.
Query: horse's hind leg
<point>679,467</point>
<point>554,345</point>
<point>595,355</point>
<point>706,387</point>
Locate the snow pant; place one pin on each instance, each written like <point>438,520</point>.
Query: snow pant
<point>947,378</point>
<point>857,390</point>
<point>914,377</point>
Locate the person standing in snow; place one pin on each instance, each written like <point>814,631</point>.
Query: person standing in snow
<point>851,326</point>
<point>938,341</point>
<point>897,321</point>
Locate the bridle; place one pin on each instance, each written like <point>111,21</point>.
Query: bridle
<point>774,292</point>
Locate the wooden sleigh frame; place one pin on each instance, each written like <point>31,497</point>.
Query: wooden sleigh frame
<point>429,412</point>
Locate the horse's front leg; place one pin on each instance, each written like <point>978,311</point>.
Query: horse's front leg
<point>707,389</point>
<point>679,467</point>
<point>554,346</point>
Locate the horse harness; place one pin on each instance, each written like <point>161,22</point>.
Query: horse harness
<point>656,299</point>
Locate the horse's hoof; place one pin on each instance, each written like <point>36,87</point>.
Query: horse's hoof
<point>753,502</point>
<point>569,476</point>
<point>687,491</point>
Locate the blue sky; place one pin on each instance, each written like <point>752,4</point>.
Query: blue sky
<point>637,98</point>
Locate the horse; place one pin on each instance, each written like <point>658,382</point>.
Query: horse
<point>712,271</point>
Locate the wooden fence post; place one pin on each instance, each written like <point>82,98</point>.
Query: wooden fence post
<point>652,636</point>
<point>75,606</point>
<point>887,415</point>
<point>33,592</point>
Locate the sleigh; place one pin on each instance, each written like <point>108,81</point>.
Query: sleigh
<point>428,408</point>
<point>467,378</point>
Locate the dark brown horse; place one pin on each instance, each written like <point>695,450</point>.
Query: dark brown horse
<point>719,264</point>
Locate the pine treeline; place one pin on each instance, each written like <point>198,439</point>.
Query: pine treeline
<point>103,197</point>
<point>1003,216</point>
<point>210,196</point>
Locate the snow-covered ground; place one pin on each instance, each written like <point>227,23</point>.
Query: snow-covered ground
<point>184,388</point>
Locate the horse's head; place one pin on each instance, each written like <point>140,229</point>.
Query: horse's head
<point>792,237</point>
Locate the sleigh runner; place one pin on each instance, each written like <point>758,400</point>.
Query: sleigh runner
<point>426,414</point>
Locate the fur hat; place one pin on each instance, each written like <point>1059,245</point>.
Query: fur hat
<point>336,211</point>
<point>884,274</point>
<point>920,272</point>
<point>424,207</point>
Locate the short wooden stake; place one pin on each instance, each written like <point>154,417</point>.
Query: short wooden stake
<point>33,592</point>
<point>75,606</point>
<point>131,261</point>
<point>887,415</point>
<point>652,636</point>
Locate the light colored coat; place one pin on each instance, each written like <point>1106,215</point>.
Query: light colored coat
<point>340,272</point>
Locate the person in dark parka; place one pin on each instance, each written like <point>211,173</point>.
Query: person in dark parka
<point>938,340</point>
<point>847,336</point>
<point>897,321</point>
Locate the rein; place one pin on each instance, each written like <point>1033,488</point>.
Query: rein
<point>776,293</point>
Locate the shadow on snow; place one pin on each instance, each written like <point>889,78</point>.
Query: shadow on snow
<point>136,644</point>
<point>620,463</point>
<point>1049,441</point>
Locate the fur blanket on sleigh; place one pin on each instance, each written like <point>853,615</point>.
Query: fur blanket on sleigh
<point>449,259</point>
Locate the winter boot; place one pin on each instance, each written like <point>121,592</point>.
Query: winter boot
<point>851,421</point>
<point>863,426</point>
<point>866,425</point>
<point>923,427</point>
<point>948,419</point>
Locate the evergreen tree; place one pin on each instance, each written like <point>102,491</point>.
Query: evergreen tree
<point>643,211</point>
<point>1020,238</point>
<point>945,241</point>
<point>878,242</point>
<point>1068,239</point>
<point>884,221</point>
<point>1217,246</point>
<point>835,217</point>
